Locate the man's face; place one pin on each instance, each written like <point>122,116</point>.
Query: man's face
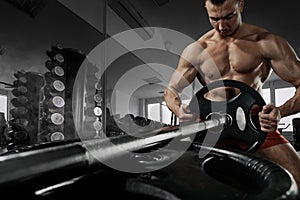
<point>225,18</point>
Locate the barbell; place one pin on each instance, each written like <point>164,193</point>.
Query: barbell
<point>89,152</point>
<point>229,121</point>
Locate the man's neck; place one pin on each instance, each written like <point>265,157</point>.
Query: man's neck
<point>238,33</point>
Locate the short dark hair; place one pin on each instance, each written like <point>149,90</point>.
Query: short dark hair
<point>218,2</point>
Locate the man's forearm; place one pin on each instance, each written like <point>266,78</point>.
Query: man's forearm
<point>172,100</point>
<point>292,106</point>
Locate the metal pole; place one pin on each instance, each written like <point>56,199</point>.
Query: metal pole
<point>108,151</point>
<point>103,78</point>
<point>76,156</point>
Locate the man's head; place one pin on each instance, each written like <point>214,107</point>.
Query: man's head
<point>225,15</point>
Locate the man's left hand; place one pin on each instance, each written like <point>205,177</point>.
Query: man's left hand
<point>269,118</point>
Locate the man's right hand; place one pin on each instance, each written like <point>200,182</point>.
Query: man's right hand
<point>185,114</point>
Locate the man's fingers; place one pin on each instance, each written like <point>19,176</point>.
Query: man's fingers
<point>186,108</point>
<point>266,126</point>
<point>188,118</point>
<point>268,108</point>
<point>268,118</point>
<point>272,123</point>
<point>269,113</point>
<point>268,129</point>
<point>184,113</point>
<point>197,119</point>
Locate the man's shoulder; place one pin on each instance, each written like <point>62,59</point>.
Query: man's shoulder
<point>253,32</point>
<point>206,37</point>
<point>254,28</point>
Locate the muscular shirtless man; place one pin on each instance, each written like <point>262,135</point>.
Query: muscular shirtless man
<point>245,53</point>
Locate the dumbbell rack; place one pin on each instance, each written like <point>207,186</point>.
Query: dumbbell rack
<point>57,122</point>
<point>69,88</point>
<point>25,110</point>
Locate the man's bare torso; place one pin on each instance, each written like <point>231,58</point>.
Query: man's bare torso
<point>239,58</point>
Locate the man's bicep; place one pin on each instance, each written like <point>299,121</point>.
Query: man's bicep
<point>285,62</point>
<point>186,70</point>
<point>183,76</point>
<point>288,70</point>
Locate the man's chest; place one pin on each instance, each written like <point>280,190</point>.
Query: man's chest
<point>231,58</point>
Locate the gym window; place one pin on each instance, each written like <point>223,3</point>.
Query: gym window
<point>4,103</point>
<point>266,94</point>
<point>158,111</point>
